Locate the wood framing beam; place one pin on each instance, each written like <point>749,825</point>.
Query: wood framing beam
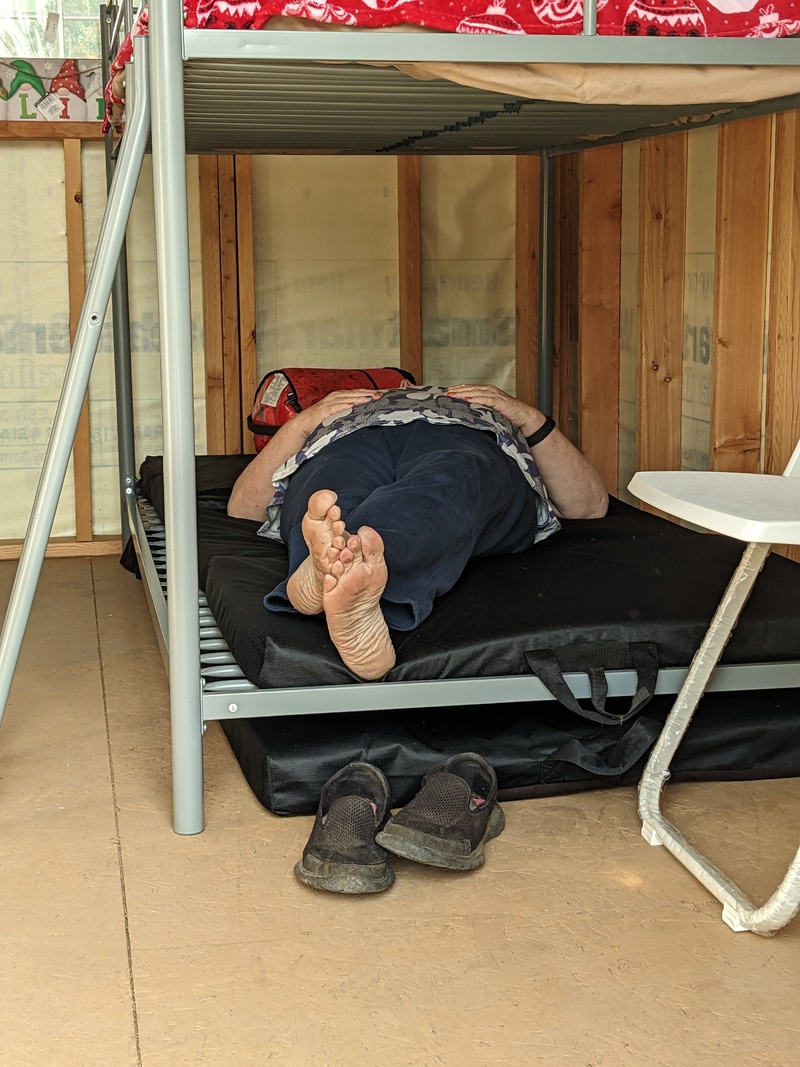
<point>76,272</point>
<point>526,267</point>
<point>599,267</point>
<point>742,228</point>
<point>662,242</point>
<point>565,409</point>
<point>212,303</point>
<point>15,130</point>
<point>248,372</point>
<point>66,548</point>
<point>229,300</point>
<point>409,248</point>
<point>783,344</point>
<point>229,287</point>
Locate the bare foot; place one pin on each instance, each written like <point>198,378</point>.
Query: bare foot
<point>323,531</point>
<point>351,595</point>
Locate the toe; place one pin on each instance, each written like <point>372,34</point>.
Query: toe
<point>371,544</point>
<point>320,503</point>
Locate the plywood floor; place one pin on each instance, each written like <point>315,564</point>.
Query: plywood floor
<point>125,945</point>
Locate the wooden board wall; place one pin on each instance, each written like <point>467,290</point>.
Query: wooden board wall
<point>587,223</point>
<point>71,135</point>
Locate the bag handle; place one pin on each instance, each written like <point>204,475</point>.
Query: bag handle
<point>616,758</point>
<point>595,659</point>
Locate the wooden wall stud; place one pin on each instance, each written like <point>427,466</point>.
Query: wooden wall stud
<point>212,303</point>
<point>600,261</point>
<point>76,270</point>
<point>783,356</point>
<point>662,239</point>
<point>409,229</point>
<point>526,267</point>
<point>248,372</point>
<point>740,270</point>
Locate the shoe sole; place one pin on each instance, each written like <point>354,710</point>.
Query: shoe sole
<point>344,878</point>
<point>435,851</point>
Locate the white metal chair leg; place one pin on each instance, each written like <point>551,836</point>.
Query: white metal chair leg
<point>738,911</point>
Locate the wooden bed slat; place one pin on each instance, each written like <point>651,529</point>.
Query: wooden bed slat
<point>739,295</point>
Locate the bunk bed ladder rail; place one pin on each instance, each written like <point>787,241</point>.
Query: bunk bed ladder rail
<point>76,379</point>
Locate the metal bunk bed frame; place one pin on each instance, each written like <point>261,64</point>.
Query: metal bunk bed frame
<point>205,683</point>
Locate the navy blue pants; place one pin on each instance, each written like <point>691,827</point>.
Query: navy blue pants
<point>438,496</point>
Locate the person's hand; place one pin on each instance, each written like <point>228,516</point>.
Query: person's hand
<point>522,415</point>
<point>340,400</point>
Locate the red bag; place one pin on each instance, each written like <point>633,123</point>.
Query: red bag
<point>283,393</point>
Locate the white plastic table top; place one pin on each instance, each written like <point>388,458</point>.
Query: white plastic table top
<point>750,507</point>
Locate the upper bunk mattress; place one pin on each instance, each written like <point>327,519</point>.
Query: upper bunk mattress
<point>597,83</point>
<point>667,18</point>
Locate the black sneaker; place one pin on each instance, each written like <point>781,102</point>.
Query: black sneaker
<point>448,821</point>
<point>341,855</point>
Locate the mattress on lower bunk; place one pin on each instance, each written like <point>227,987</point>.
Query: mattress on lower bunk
<point>629,576</point>
<point>586,595</point>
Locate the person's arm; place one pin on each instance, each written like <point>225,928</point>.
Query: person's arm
<point>574,486</point>
<point>253,489</point>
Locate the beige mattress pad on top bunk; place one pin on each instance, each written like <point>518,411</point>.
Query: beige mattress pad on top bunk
<point>596,83</point>
<point>575,83</point>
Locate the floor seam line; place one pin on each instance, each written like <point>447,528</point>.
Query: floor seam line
<point>120,860</point>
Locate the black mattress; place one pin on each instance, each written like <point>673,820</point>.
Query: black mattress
<point>601,593</point>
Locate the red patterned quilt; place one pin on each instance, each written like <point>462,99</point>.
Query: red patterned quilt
<point>650,18</point>
<point>667,18</point>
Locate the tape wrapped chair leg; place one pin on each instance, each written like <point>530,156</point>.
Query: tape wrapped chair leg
<point>760,510</point>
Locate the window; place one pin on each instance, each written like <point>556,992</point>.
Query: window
<point>74,33</point>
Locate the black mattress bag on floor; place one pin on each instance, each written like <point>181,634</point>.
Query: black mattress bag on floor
<point>537,749</point>
<point>627,590</point>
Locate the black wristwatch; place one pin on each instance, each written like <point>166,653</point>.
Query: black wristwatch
<point>544,430</point>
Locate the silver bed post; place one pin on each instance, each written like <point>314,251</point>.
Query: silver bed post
<point>547,189</point>
<point>76,379</point>
<point>172,256</point>
<point>589,18</point>
<point>123,384</point>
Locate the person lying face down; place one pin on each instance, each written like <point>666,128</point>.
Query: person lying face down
<point>382,498</point>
